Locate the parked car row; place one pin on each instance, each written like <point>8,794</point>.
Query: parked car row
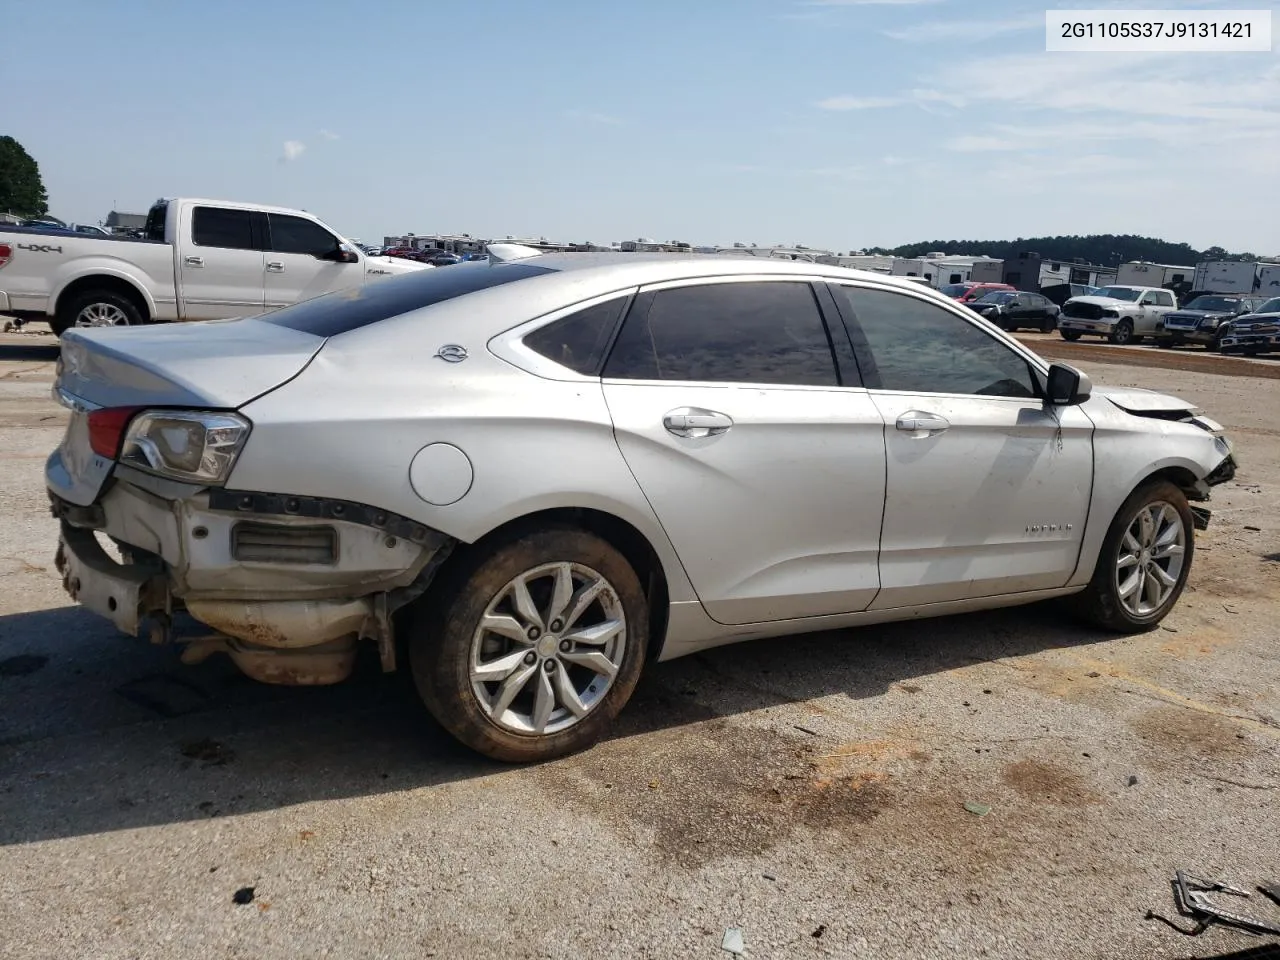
<point>433,255</point>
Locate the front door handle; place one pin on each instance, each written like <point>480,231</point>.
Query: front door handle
<point>193,261</point>
<point>922,424</point>
<point>695,422</point>
<point>275,266</point>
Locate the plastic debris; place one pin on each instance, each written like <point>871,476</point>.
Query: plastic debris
<point>242,896</point>
<point>732,942</point>
<point>977,809</point>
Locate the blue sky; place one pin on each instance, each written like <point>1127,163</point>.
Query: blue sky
<point>836,123</point>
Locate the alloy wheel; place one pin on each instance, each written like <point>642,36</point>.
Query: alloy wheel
<point>101,315</point>
<point>1150,558</point>
<point>548,648</point>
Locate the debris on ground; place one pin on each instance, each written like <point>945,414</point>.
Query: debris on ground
<point>1133,780</point>
<point>768,876</point>
<point>732,942</point>
<point>22,665</point>
<point>977,809</point>
<point>242,896</point>
<point>1191,898</point>
<point>822,928</point>
<point>812,733</point>
<point>210,753</point>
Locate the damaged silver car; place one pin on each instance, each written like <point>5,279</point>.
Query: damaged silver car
<point>525,479</point>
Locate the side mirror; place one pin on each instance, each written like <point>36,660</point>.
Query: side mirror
<point>341,254</point>
<point>1068,386</point>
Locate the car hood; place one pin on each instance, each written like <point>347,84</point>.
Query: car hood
<point>1258,318</point>
<point>1137,400</point>
<point>1201,314</point>
<point>1102,301</point>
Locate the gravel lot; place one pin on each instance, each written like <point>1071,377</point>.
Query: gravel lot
<point>809,790</point>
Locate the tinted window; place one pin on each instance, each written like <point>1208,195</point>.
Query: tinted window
<point>579,340</point>
<point>725,333</point>
<point>913,346</point>
<point>216,227</point>
<point>296,235</point>
<point>1163,298</point>
<point>346,310</point>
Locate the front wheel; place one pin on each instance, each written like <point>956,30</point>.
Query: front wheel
<point>1071,335</point>
<point>1122,333</point>
<point>533,647</point>
<point>1144,562</point>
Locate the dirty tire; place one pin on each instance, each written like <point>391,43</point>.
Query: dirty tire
<point>108,300</point>
<point>1100,604</point>
<point>1122,333</point>
<point>442,630</point>
<point>1048,324</point>
<point>1164,343</point>
<point>1071,335</point>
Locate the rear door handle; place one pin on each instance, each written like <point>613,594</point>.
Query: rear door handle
<point>922,424</point>
<point>275,266</point>
<point>193,261</point>
<point>695,422</point>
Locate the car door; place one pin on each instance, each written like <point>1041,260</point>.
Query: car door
<point>987,487</point>
<point>219,267</point>
<point>300,261</point>
<point>1152,307</point>
<point>762,458</point>
<point>1023,312</point>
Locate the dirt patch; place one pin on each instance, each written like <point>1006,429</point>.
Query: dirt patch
<point>832,804</point>
<point>1190,736</point>
<point>1042,780</point>
<point>1058,349</point>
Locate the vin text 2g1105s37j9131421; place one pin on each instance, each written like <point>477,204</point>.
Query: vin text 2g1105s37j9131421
<point>632,457</point>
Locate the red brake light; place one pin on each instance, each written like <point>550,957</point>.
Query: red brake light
<point>6,253</point>
<point>106,429</point>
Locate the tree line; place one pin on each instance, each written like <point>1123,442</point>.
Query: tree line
<point>1105,249</point>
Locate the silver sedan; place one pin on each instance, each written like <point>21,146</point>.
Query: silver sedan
<point>528,478</point>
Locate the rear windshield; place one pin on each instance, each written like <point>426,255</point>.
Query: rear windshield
<point>346,310</point>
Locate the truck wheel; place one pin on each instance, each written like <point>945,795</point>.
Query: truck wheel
<point>1122,333</point>
<point>1164,343</point>
<point>98,308</point>
<point>1144,562</point>
<point>1072,335</point>
<point>532,647</point>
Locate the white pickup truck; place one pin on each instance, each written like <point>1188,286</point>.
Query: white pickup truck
<point>198,260</point>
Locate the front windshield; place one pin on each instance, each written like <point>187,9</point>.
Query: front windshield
<point>1271,306</point>
<point>1223,304</point>
<point>1119,293</point>
<point>998,296</point>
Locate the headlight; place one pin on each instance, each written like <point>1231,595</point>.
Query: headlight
<point>1210,322</point>
<point>1113,314</point>
<point>185,445</point>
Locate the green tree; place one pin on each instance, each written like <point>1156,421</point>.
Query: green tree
<point>21,190</point>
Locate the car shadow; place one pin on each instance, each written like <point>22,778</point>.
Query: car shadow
<point>100,732</point>
<point>43,350</point>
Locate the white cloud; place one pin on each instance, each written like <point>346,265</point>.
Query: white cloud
<point>293,149</point>
<point>329,135</point>
<point>590,117</point>
<point>956,30</point>
<point>857,103</point>
<point>976,144</point>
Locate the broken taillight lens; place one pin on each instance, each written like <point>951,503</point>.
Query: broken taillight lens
<point>106,429</point>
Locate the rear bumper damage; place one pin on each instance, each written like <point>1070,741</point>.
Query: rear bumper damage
<point>287,586</point>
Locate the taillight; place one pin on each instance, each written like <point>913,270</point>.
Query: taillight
<point>106,429</point>
<point>6,253</point>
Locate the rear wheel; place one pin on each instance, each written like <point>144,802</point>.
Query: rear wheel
<point>533,647</point>
<point>1164,343</point>
<point>1122,333</point>
<point>1048,324</point>
<point>1070,334</point>
<point>1144,562</point>
<point>97,308</point>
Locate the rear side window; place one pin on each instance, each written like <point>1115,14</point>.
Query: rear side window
<point>298,235</point>
<point>579,340</point>
<point>219,227</point>
<point>727,333</point>
<point>346,310</point>
<point>1164,298</point>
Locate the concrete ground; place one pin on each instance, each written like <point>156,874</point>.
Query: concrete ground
<point>810,790</point>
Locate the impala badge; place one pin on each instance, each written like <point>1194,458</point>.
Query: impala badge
<point>452,353</point>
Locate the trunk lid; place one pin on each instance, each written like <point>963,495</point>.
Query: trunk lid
<point>209,365</point>
<point>212,364</point>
